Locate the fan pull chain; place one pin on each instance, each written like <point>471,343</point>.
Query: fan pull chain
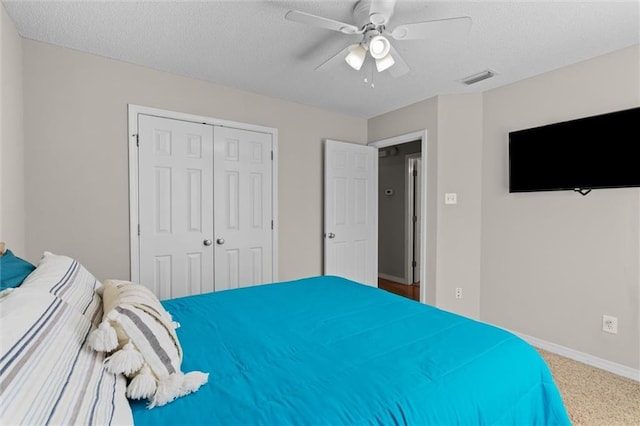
<point>369,80</point>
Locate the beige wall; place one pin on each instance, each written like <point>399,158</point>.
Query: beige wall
<point>554,262</point>
<point>454,145</point>
<point>76,142</point>
<point>460,172</point>
<point>12,202</point>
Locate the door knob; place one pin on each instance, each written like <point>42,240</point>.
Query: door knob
<point>220,241</point>
<point>331,235</point>
<point>207,242</point>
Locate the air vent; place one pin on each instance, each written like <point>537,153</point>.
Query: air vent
<point>476,78</point>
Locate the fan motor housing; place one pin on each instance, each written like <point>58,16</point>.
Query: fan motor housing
<point>363,15</point>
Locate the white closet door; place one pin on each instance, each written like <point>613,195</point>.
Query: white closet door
<point>351,211</point>
<point>175,206</point>
<point>242,199</point>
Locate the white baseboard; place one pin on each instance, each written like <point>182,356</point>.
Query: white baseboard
<point>603,364</point>
<point>392,278</point>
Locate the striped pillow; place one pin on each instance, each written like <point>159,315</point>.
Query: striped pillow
<point>48,374</point>
<point>148,350</point>
<point>68,280</point>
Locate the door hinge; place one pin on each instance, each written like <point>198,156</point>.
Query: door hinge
<point>271,155</point>
<point>415,172</point>
<point>415,219</point>
<point>414,264</point>
<point>137,140</point>
<point>271,224</point>
<point>138,229</point>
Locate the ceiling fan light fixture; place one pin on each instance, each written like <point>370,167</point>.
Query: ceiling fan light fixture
<point>385,63</point>
<point>356,56</point>
<point>379,47</point>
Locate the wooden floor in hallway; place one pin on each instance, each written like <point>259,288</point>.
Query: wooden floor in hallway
<point>409,291</point>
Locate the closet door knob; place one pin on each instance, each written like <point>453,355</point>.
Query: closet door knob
<point>207,242</point>
<point>220,241</point>
<point>331,235</point>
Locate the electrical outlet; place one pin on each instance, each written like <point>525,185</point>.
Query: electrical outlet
<point>458,292</point>
<point>610,324</point>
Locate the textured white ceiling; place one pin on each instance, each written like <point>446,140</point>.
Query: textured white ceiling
<point>249,44</point>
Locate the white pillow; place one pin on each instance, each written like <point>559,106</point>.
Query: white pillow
<point>67,279</point>
<point>48,373</point>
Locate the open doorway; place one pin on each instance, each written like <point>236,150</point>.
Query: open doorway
<point>398,218</point>
<point>423,272</point>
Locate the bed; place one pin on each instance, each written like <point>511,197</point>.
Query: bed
<point>328,351</point>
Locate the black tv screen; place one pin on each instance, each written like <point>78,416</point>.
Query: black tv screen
<point>602,151</point>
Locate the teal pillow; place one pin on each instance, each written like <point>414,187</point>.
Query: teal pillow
<point>13,270</point>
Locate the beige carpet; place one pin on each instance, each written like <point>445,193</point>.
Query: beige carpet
<point>593,396</point>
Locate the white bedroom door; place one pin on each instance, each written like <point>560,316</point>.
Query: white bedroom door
<point>244,220</point>
<point>175,182</point>
<point>351,211</point>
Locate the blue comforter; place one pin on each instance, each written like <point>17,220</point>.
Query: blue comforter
<point>327,351</point>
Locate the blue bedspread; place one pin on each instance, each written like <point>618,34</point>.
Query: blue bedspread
<point>327,351</point>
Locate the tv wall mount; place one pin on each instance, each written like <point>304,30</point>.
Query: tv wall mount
<point>582,191</point>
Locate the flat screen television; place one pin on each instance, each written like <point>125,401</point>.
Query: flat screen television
<point>602,151</point>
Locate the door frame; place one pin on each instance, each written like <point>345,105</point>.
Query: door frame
<point>409,226</point>
<point>132,142</point>
<point>410,137</point>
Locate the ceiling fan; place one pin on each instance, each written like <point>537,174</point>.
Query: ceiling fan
<point>371,18</point>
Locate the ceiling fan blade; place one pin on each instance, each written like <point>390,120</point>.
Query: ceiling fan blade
<point>381,11</point>
<point>319,21</point>
<point>335,59</point>
<point>441,28</point>
<point>400,68</point>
